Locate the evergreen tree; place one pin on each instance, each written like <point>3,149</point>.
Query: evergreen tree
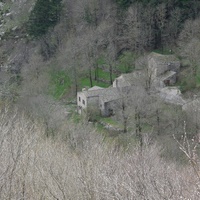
<point>124,3</point>
<point>45,14</point>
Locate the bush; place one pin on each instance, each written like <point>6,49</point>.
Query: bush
<point>93,114</point>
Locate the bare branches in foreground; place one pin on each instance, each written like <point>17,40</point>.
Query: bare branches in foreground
<point>80,164</point>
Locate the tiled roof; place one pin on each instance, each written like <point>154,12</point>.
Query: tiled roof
<point>128,79</point>
<point>163,58</point>
<point>105,94</point>
<point>114,93</point>
<point>95,88</point>
<point>91,92</point>
<point>110,94</point>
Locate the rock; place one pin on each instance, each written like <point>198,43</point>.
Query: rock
<point>14,28</point>
<point>8,14</point>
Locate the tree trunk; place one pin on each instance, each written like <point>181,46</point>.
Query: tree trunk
<point>138,128</point>
<point>96,73</point>
<point>124,118</point>
<point>110,70</point>
<point>75,81</point>
<point>158,121</point>
<point>90,75</point>
<point>125,125</point>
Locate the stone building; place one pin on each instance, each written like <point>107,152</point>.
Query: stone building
<point>99,99</point>
<point>163,69</point>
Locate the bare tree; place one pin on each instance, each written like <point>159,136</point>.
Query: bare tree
<point>161,13</point>
<point>191,52</point>
<point>35,167</point>
<point>189,148</point>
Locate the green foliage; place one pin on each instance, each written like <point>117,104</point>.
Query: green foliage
<point>44,15</point>
<point>163,51</point>
<point>187,84</point>
<point>85,82</point>
<point>126,62</point>
<point>198,80</point>
<point>113,122</point>
<point>76,118</point>
<point>101,61</point>
<point>188,81</point>
<point>93,114</point>
<point>103,79</point>
<point>105,75</point>
<point>60,82</point>
<point>90,17</point>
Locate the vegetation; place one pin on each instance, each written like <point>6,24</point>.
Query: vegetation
<point>27,172</point>
<point>60,82</point>
<point>85,82</point>
<point>44,15</point>
<point>126,62</point>
<point>148,149</point>
<point>124,3</point>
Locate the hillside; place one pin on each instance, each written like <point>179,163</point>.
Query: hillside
<point>50,50</point>
<point>86,35</point>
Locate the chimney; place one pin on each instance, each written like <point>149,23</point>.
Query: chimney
<point>116,82</point>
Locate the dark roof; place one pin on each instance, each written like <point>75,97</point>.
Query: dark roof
<point>110,94</point>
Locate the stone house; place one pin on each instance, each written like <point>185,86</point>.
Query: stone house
<point>163,69</point>
<point>99,99</point>
<point>108,101</point>
<point>88,97</point>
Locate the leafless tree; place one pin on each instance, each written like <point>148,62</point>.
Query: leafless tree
<point>189,148</point>
<point>80,164</point>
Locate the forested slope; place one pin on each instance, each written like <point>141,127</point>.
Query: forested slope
<point>49,50</point>
<point>77,37</point>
